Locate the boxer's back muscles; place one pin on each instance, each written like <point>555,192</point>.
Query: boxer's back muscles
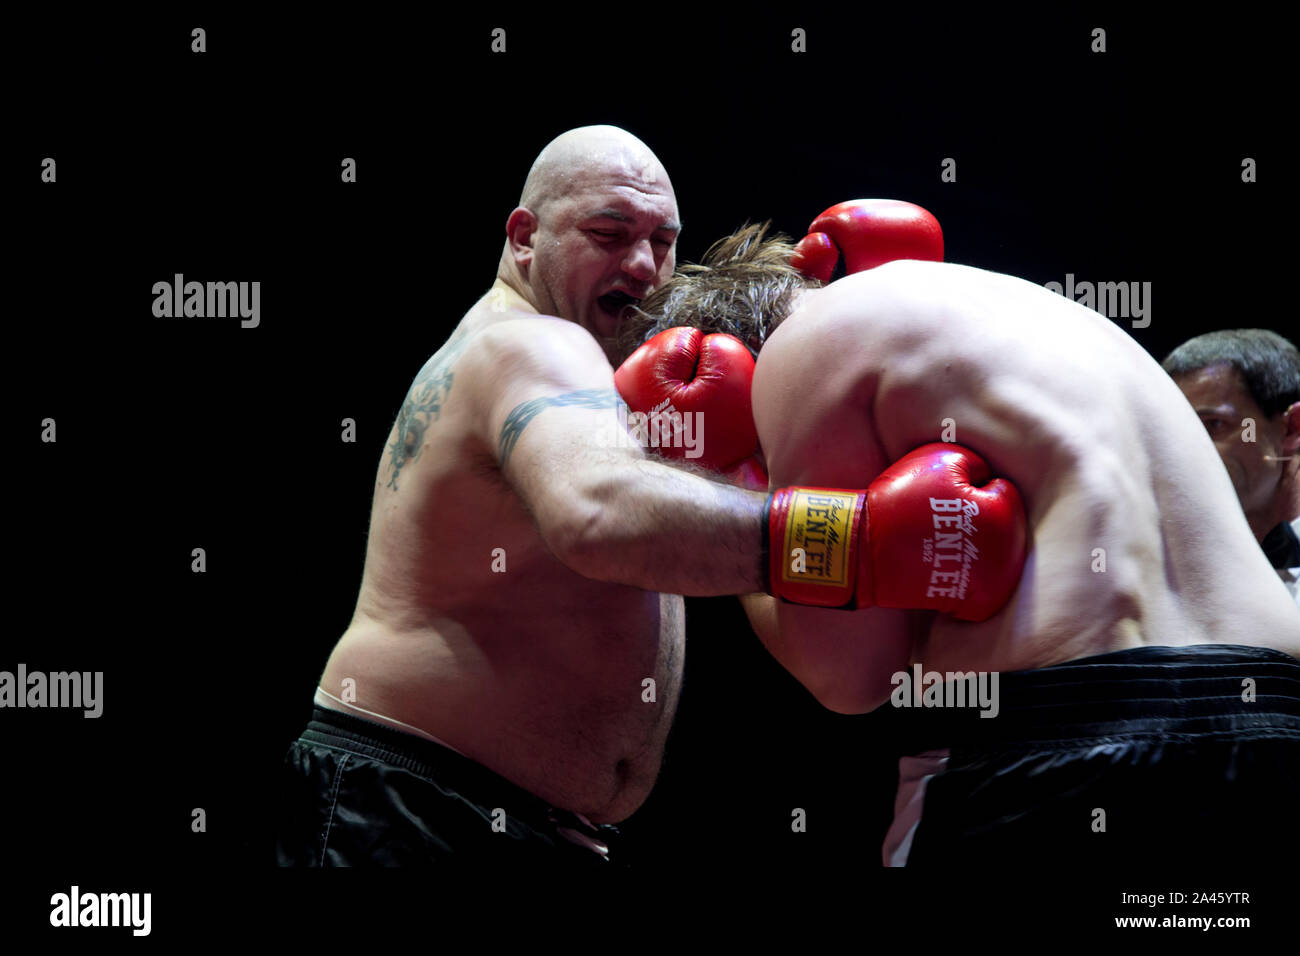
<point>1136,534</point>
<point>467,626</point>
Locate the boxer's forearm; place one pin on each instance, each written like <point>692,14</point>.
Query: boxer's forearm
<point>652,526</point>
<point>845,660</point>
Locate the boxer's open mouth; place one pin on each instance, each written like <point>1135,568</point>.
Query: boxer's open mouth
<point>615,302</point>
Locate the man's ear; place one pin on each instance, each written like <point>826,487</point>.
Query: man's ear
<point>1291,430</point>
<point>521,233</point>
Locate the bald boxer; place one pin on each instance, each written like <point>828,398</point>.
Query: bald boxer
<point>1149,700</point>
<point>1245,386</point>
<point>506,684</point>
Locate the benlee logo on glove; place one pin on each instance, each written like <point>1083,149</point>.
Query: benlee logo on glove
<point>819,528</point>
<point>950,550</point>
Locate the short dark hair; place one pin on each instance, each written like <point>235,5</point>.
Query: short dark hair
<point>743,288</point>
<point>1268,364</point>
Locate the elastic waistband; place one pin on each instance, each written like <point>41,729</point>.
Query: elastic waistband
<point>451,772</point>
<point>1202,689</point>
<point>442,765</point>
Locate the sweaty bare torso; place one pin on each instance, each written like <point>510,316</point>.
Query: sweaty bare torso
<point>1136,534</point>
<point>468,628</point>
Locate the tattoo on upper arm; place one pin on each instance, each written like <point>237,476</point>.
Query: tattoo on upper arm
<point>525,412</point>
<point>423,406</point>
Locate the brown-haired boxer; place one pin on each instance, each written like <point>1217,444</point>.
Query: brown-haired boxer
<point>507,682</point>
<point>1149,700</point>
<point>1245,386</point>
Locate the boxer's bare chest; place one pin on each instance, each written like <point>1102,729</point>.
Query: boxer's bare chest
<point>465,611</point>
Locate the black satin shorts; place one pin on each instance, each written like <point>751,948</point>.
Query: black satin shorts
<point>1149,755</point>
<point>357,793</point>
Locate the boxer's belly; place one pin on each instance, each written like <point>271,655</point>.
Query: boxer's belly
<point>551,698</point>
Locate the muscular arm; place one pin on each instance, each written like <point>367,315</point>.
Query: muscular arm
<point>845,659</point>
<point>812,408</point>
<point>549,412</point>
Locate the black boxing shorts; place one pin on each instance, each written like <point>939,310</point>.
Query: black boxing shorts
<point>358,793</point>
<point>1154,754</point>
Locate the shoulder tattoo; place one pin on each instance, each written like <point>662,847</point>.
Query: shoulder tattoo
<point>423,406</point>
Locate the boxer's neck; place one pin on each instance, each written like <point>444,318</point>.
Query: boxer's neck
<point>507,298</point>
<point>511,281</point>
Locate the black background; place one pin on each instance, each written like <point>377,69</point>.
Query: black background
<point>177,434</point>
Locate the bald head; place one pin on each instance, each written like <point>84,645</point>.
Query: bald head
<point>594,232</point>
<point>575,158</point>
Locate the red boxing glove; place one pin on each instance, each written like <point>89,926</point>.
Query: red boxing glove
<point>932,532</point>
<point>691,391</point>
<point>871,232</point>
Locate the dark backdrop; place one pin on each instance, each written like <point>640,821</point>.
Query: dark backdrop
<point>176,434</point>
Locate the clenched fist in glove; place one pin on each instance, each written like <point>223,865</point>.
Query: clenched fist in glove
<point>693,389</point>
<point>932,532</point>
<point>870,232</point>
